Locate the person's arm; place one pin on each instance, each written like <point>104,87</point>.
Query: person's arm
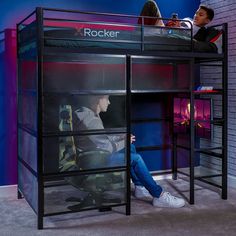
<point>199,46</point>
<point>119,145</point>
<point>101,141</point>
<point>206,45</point>
<point>118,141</point>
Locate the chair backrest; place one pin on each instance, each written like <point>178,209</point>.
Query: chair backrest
<point>70,156</point>
<point>217,40</point>
<point>67,149</point>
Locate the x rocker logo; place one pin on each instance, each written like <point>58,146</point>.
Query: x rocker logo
<point>94,33</point>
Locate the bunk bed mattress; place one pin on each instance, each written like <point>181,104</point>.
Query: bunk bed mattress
<point>117,39</point>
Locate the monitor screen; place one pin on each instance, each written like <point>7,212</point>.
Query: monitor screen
<point>202,116</point>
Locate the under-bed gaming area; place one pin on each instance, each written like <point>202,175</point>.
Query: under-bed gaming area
<point>152,76</point>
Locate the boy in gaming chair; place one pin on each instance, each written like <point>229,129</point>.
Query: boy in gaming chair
<point>204,39</point>
<point>88,118</point>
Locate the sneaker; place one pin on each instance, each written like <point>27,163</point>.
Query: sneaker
<point>167,200</point>
<point>141,192</point>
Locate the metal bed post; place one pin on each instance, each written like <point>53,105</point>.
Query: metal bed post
<point>174,155</point>
<point>39,19</point>
<point>192,133</point>
<point>225,112</point>
<point>128,118</point>
<point>174,136</point>
<point>142,35</point>
<point>19,194</point>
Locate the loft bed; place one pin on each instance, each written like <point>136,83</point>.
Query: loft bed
<point>84,31</point>
<point>64,55</point>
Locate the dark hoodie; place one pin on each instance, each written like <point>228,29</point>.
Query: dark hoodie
<point>204,40</point>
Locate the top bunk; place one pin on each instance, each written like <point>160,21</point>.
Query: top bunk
<point>54,31</point>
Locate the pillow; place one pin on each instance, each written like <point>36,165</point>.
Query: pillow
<point>217,40</point>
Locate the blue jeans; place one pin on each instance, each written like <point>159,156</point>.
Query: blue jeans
<point>139,173</point>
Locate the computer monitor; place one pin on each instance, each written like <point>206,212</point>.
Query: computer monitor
<point>202,116</point>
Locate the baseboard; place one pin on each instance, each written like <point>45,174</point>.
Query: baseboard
<point>160,177</point>
<point>8,191</point>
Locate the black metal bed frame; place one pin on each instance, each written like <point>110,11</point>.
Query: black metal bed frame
<point>191,56</point>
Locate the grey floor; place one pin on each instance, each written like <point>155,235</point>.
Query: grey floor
<point>209,216</point>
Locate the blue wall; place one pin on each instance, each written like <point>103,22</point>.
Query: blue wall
<point>12,12</point>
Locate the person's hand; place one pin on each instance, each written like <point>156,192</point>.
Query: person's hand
<point>173,23</point>
<point>132,138</point>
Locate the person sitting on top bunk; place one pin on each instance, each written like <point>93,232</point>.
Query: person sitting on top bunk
<point>205,39</point>
<point>88,118</point>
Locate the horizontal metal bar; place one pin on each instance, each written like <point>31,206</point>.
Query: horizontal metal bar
<point>152,148</point>
<point>85,132</point>
<point>212,154</point>
<point>150,53</point>
<point>91,22</point>
<point>209,148</point>
<point>92,13</point>
<point>87,57</point>
<point>169,57</point>
<point>27,17</point>
<point>201,179</point>
<point>210,183</point>
<point>154,173</point>
<point>113,14</point>
<point>207,151</point>
<point>54,183</point>
<point>55,176</point>
<point>144,120</point>
<point>183,147</point>
<point>208,176</point>
<point>85,92</point>
<point>214,121</point>
<point>159,91</point>
<point>213,65</point>
<point>205,58</point>
<point>86,209</point>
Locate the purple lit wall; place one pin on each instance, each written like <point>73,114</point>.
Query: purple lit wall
<point>8,108</point>
<point>12,12</point>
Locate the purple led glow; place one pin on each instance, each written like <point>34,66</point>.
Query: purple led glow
<point>202,116</point>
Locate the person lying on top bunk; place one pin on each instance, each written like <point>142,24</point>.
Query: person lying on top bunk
<point>205,39</point>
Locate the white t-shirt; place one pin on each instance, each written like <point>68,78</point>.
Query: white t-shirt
<point>188,25</point>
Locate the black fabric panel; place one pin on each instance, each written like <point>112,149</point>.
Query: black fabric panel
<point>70,38</point>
